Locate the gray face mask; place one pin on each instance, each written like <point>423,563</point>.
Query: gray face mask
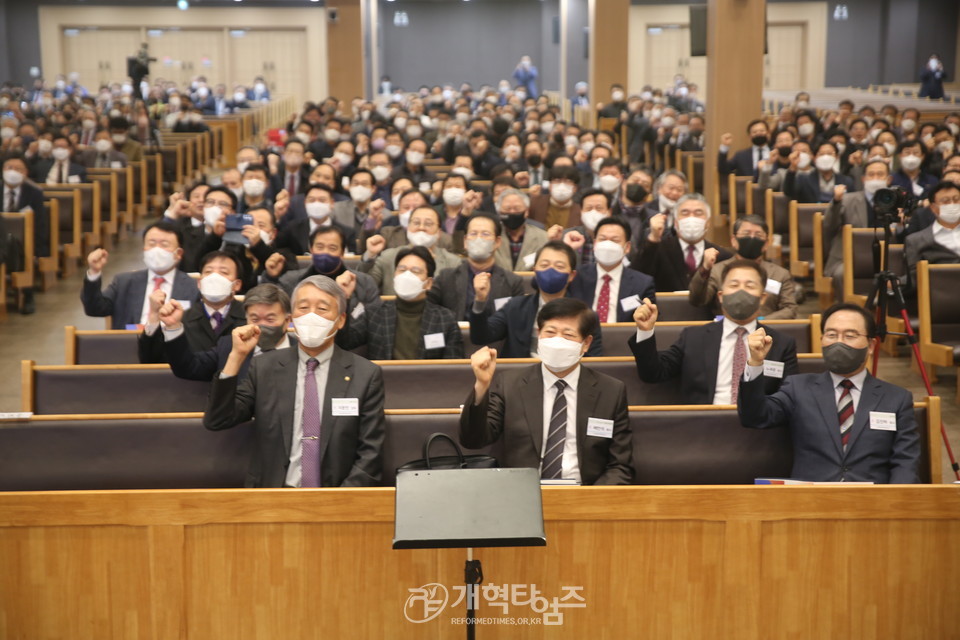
<point>740,305</point>
<point>270,336</point>
<point>842,359</point>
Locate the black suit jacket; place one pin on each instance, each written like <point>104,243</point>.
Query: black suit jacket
<point>806,187</point>
<point>665,262</point>
<point>31,196</point>
<point>123,299</point>
<point>296,236</point>
<point>42,168</point>
<point>278,182</point>
<point>377,329</point>
<point>694,357</point>
<point>632,283</point>
<point>513,410</point>
<point>450,288</point>
<point>514,324</point>
<point>197,330</point>
<point>350,446</point>
<point>203,365</point>
<point>194,239</point>
<point>741,164</point>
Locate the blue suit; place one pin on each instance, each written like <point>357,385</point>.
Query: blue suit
<point>807,405</point>
<point>123,299</point>
<point>632,282</point>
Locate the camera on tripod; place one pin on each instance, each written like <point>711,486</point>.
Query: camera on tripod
<point>889,202</point>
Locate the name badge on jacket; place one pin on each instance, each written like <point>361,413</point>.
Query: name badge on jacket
<point>345,406</point>
<point>434,341</point>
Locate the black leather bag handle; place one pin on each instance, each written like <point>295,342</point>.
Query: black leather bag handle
<point>435,436</point>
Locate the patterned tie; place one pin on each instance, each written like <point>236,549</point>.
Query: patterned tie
<point>158,282</point>
<point>845,412</point>
<point>739,363</point>
<point>553,456</point>
<point>217,318</point>
<point>310,443</point>
<point>603,300</point>
<point>691,258</point>
<point>11,200</point>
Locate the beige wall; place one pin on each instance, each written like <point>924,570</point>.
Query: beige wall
<point>311,21</point>
<point>812,14</point>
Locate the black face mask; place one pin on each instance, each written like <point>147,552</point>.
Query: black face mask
<point>636,193</point>
<point>759,141</point>
<point>842,359</point>
<point>784,151</point>
<point>513,220</point>
<point>534,160</point>
<point>750,248</point>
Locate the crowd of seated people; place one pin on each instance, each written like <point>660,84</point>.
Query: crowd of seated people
<point>424,210</point>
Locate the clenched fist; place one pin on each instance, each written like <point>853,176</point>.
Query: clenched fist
<point>97,260</point>
<point>646,315</point>
<point>274,265</point>
<point>484,364</point>
<point>759,344</point>
<point>657,225</point>
<point>347,282</point>
<point>481,286</point>
<point>710,258</point>
<point>376,244</point>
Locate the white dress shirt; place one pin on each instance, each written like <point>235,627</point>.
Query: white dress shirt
<point>224,310</point>
<point>326,222</point>
<point>294,471</point>
<point>949,238</point>
<point>6,197</point>
<point>760,153</point>
<point>698,249</point>
<point>60,169</point>
<point>167,288</point>
<point>570,463</point>
<point>615,275</point>
<point>723,393</point>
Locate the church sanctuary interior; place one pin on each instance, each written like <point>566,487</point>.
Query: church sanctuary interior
<point>567,318</point>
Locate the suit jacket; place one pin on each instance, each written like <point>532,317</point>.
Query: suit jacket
<point>853,209</point>
<point>203,365</point>
<point>805,187</point>
<point>539,209</point>
<point>632,283</point>
<point>194,241</point>
<point>296,237</point>
<point>922,245</point>
<point>665,262</point>
<point>776,306</point>
<point>533,238</point>
<point>350,446</point>
<point>513,410</point>
<point>278,181</point>
<point>514,324</point>
<point>42,168</point>
<point>366,291</point>
<point>695,356</point>
<point>381,269</point>
<point>924,180</point>
<point>741,164</point>
<point>31,196</point>
<point>450,288</point>
<point>807,405</point>
<point>123,299</point>
<point>89,158</point>
<point>378,327</point>
<point>197,330</point>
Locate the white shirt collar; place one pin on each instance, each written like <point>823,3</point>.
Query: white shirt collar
<point>326,223</point>
<point>168,276</point>
<point>729,326</point>
<point>550,378</point>
<point>615,274</point>
<point>698,246</point>
<point>939,229</point>
<point>322,357</point>
<point>857,380</point>
<point>224,310</point>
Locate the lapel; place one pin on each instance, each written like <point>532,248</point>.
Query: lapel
<point>197,316</point>
<point>135,302</point>
<point>827,403</point>
<point>587,275</point>
<point>675,259</point>
<point>531,399</point>
<point>870,397</point>
<point>712,337</point>
<point>587,395</point>
<point>389,327</point>
<point>338,384</point>
<point>281,383</point>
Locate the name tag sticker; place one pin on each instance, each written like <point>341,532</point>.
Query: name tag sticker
<point>73,179</point>
<point>434,341</point>
<point>773,287</point>
<point>357,311</point>
<point>772,369</point>
<point>599,428</point>
<point>116,165</point>
<point>630,303</point>
<point>883,420</point>
<point>186,304</point>
<point>345,406</point>
<point>528,260</point>
<point>499,302</point>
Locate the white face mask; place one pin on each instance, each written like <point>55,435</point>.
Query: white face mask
<point>803,160</point>
<point>215,288</point>
<point>407,285</point>
<point>559,354</point>
<point>592,218</point>
<point>102,145</point>
<point>119,138</point>
<point>360,193</point>
<point>265,237</point>
<point>394,150</point>
<point>421,238</point>
<point>945,147</point>
<point>318,211</point>
<point>13,178</point>
<point>44,146</point>
<point>547,126</point>
<point>7,132</point>
<point>331,135</point>
<point>60,154</point>
<point>400,123</point>
<point>313,330</point>
<point>587,146</point>
<point>345,159</point>
<point>890,148</point>
<point>954,128</point>
<point>254,187</point>
<point>404,218</point>
<point>462,171</point>
<point>825,163</point>
<point>595,164</point>
<point>561,192</point>
<point>380,174</point>
<point>805,129</point>
<point>949,213</point>
<point>908,124</point>
<point>609,184</point>
<point>414,131</point>
<point>871,186</point>
<point>668,121</point>
<point>453,196</point>
<point>159,260</point>
<point>617,96</point>
<point>666,204</point>
<point>511,151</point>
<point>414,158</point>
<point>571,141</point>
<point>910,163</point>
<point>691,229</point>
<point>211,215</point>
<point>608,253</point>
<point>479,249</point>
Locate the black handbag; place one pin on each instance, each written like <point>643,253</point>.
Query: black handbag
<point>459,461</point>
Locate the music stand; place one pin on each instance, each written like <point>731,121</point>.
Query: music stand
<point>454,508</point>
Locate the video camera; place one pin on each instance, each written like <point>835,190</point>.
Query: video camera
<point>889,202</point>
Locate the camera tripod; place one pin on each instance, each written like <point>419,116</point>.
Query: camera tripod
<point>886,286</point>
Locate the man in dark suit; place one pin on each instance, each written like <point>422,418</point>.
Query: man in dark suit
<point>127,299</point>
<point>186,214</point>
<point>845,424</point>
<point>318,202</point>
<point>611,289</point>
<point>204,323</point>
<point>819,185</point>
<point>266,305</point>
<point>20,195</point>
<point>745,161</point>
<point>455,288</point>
<point>940,242</point>
<point>565,419</point>
<point>317,410</point>
<point>514,321</point>
<point>59,168</point>
<point>294,175</point>
<point>410,327</point>
<point>673,259</point>
<point>709,359</point>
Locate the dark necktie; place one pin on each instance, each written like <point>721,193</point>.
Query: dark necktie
<point>11,200</point>
<point>691,258</point>
<point>552,464</point>
<point>845,412</point>
<point>217,318</point>
<point>292,185</point>
<point>310,442</point>
<point>739,363</point>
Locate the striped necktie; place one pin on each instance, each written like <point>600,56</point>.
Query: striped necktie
<point>845,413</point>
<point>552,463</point>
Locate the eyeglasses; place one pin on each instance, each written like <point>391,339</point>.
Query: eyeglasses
<point>846,336</point>
<point>426,225</point>
<point>486,235</point>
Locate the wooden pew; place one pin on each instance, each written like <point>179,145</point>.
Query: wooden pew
<point>90,212</point>
<point>740,189</point>
<point>778,219</point>
<point>801,221</point>
<point>109,205</point>
<point>937,286</point>
<point>154,170</point>
<point>20,226</point>
<point>66,230</point>
<point>858,267</point>
<point>125,205</point>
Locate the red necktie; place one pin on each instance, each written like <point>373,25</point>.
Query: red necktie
<point>603,300</point>
<point>157,282</point>
<point>291,185</point>
<point>691,259</point>
<point>845,413</point>
<point>739,363</point>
